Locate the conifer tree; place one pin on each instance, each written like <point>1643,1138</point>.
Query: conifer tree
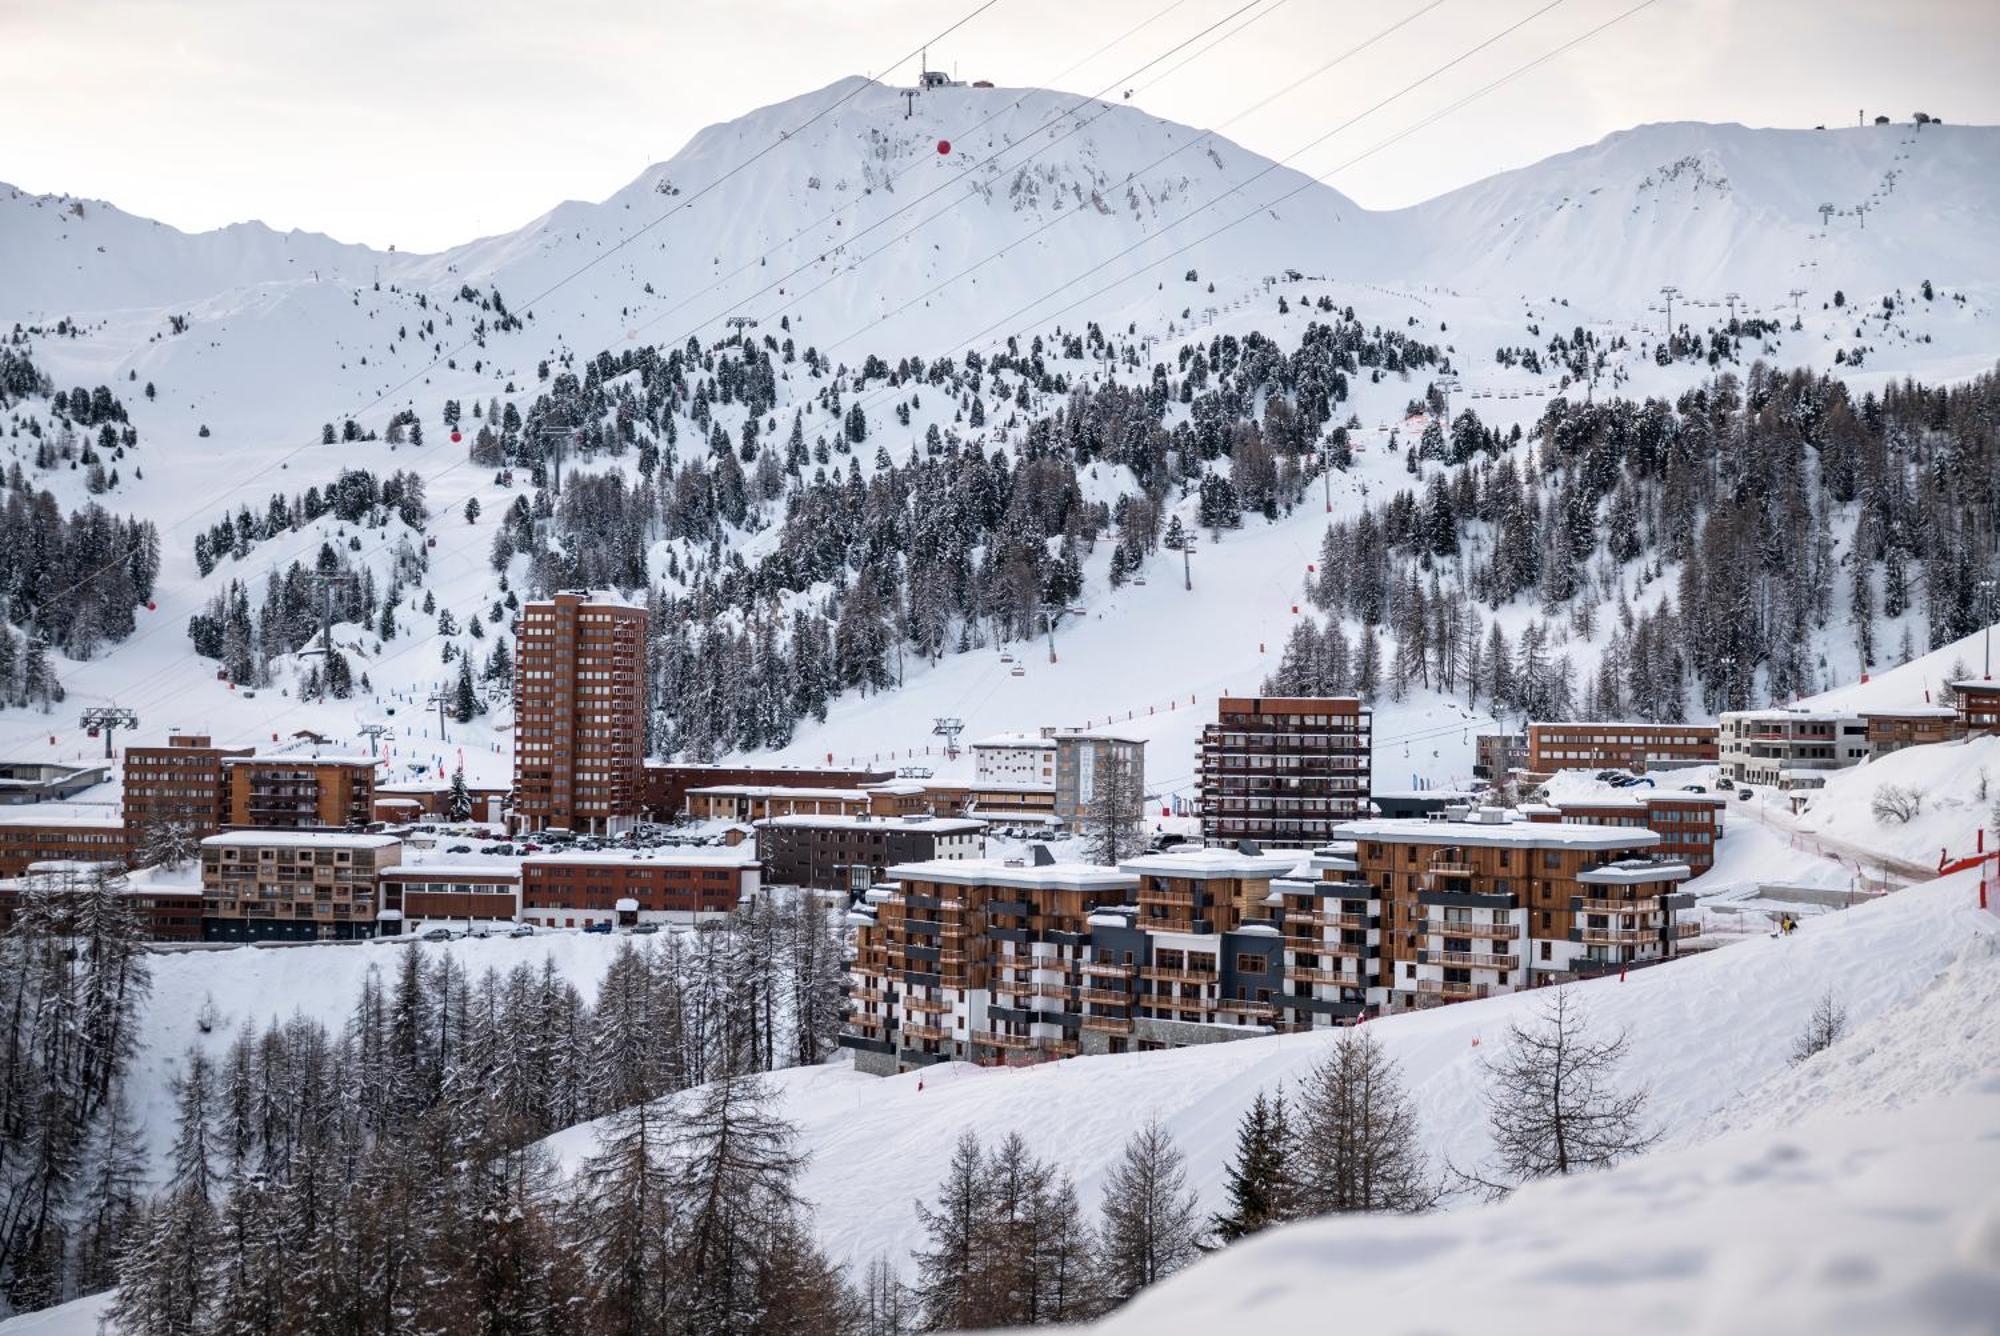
<point>1151,1219</point>
<point>1258,1183</point>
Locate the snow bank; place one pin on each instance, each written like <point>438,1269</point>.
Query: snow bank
<point>1951,778</point>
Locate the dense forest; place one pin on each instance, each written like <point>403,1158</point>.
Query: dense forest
<point>335,1179</point>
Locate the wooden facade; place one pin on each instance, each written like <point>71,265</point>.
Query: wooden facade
<point>1482,906</point>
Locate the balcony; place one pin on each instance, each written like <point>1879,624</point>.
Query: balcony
<point>1687,930</point>
<point>1331,978</point>
<point>1617,936</point>
<point>1443,868</point>
<point>927,1005</point>
<point>1106,969</point>
<point>1150,895</point>
<point>1161,974</point>
<point>867,995</point>
<point>1055,1048</point>
<point>1650,905</point>
<point>912,1030</point>
<point>1455,992</point>
<point>1475,960</point>
<point>1243,1006</point>
<point>1108,1024</point>
<point>1504,932</point>
<point>1055,990</point>
<point>861,1020</point>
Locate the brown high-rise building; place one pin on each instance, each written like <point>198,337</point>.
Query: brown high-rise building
<point>1283,769</point>
<point>579,713</point>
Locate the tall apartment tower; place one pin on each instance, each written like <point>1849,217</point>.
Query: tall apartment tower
<point>1283,769</point>
<point>579,713</point>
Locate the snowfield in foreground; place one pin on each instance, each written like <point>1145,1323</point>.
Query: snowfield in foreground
<point>1880,1223</point>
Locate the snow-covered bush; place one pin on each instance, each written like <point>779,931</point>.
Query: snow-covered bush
<point>1898,803</point>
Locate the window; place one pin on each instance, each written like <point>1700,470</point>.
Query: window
<point>1545,950</point>
<point>1248,964</point>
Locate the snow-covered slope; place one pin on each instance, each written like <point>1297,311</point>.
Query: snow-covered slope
<point>1719,208</point>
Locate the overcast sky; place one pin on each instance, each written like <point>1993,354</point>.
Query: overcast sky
<point>428,122</point>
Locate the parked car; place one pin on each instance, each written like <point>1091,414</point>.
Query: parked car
<point>1694,788</point>
<point>459,849</point>
<point>1743,795</point>
<point>523,930</point>
<point>645,927</point>
<point>438,935</point>
<point>597,927</point>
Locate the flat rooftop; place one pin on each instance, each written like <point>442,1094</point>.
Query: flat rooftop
<point>1513,834</point>
<point>1021,875</point>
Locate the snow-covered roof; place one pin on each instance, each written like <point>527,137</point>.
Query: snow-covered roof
<point>295,758</point>
<point>1911,712</point>
<point>298,839</point>
<point>1010,786</point>
<point>1516,834</point>
<point>999,740</point>
<point>1976,685</point>
<point>1629,872</point>
<point>498,869</point>
<point>1102,735</point>
<point>1633,725</point>
<point>776,791</point>
<point>61,814</point>
<point>738,856</point>
<point>1794,714</point>
<point>626,905</point>
<point>1025,876</point>
<point>929,825</point>
<point>1203,864</point>
<point>1442,795</point>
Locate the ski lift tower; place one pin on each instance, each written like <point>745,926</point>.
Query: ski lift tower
<point>1670,292</point>
<point>948,728</point>
<point>1446,385</point>
<point>375,733</point>
<point>107,719</point>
